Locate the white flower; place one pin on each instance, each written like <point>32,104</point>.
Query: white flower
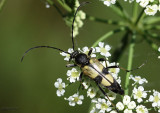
<point>138,79</point>
<point>118,79</point>
<point>103,50</point>
<point>151,9</point>
<point>86,50</point>
<point>109,2</point>
<point>86,83</point>
<point>47,5</point>
<point>126,100</point>
<point>120,106</point>
<point>138,1</point>
<point>141,109</point>
<point>60,85</point>
<point>130,1</point>
<point>111,95</point>
<point>159,49</point>
<point>127,111</point>
<point>113,70</point>
<point>67,56</point>
<point>131,105</point>
<point>113,111</point>
<point>94,110</point>
<point>91,92</point>
<point>82,15</point>
<point>155,98</point>
<point>139,94</point>
<point>103,106</point>
<point>73,75</point>
<point>75,99</point>
<point>127,104</point>
<point>144,3</point>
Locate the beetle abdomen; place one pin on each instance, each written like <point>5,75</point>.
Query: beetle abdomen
<point>115,87</point>
<point>96,71</point>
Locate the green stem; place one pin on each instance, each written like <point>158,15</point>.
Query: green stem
<point>92,18</point>
<point>2,4</point>
<point>108,34</point>
<point>151,20</point>
<point>50,2</point>
<point>141,15</point>
<point>130,59</point>
<point>117,11</point>
<point>150,42</point>
<point>153,35</point>
<point>135,11</point>
<point>65,6</point>
<point>152,27</point>
<point>125,14</point>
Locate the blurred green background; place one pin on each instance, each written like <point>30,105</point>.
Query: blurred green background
<point>28,87</point>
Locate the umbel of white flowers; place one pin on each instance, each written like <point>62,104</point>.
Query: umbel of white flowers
<point>151,7</point>
<point>134,103</point>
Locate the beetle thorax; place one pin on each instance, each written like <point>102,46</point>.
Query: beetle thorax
<point>81,59</point>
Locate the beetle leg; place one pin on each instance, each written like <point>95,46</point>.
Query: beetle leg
<point>105,94</point>
<point>116,66</point>
<point>134,68</point>
<point>90,52</point>
<point>101,59</point>
<point>80,79</point>
<point>71,65</point>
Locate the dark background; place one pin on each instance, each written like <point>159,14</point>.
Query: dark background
<point>28,87</point>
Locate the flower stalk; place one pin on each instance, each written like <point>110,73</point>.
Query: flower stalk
<point>130,60</point>
<point>107,35</point>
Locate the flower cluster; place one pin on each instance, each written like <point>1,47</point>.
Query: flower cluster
<point>134,103</point>
<point>78,19</point>
<point>139,97</point>
<point>60,85</point>
<point>109,2</point>
<point>127,104</point>
<point>151,6</point>
<point>155,99</point>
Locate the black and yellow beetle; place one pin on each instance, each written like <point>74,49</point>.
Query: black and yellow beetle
<point>89,66</point>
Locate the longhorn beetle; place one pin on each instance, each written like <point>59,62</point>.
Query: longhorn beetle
<point>90,67</point>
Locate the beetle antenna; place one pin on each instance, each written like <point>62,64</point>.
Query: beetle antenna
<point>42,47</point>
<point>82,4</point>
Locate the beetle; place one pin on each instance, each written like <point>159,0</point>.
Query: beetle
<point>89,66</point>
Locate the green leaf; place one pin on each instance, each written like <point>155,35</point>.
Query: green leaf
<point>151,20</point>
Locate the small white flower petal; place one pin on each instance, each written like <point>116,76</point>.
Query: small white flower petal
<point>120,106</point>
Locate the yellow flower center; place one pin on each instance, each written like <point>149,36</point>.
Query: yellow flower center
<point>103,50</point>
<point>137,79</point>
<point>76,99</point>
<point>156,99</point>
<point>104,106</point>
<point>75,74</point>
<point>150,10</point>
<point>141,110</point>
<point>139,94</point>
<point>60,87</point>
